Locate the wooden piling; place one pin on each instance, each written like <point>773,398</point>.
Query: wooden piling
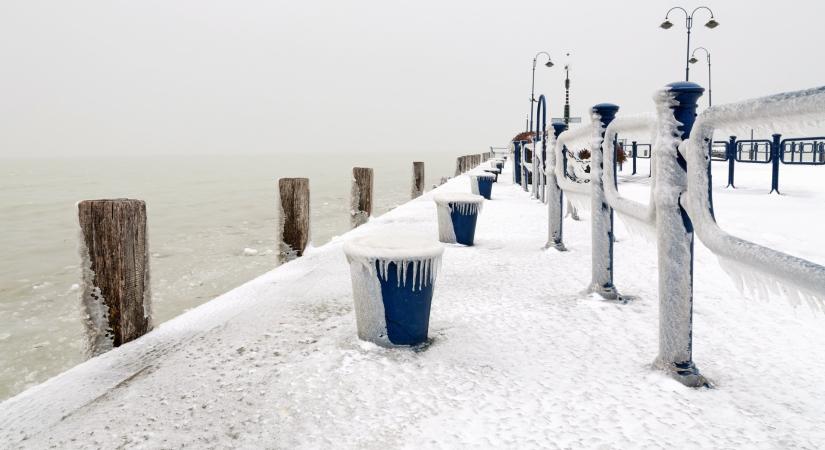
<point>417,179</point>
<point>361,196</point>
<point>116,291</point>
<point>293,233</point>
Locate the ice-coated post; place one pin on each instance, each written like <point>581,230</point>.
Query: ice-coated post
<point>114,252</point>
<point>417,180</point>
<point>674,236</point>
<point>634,149</point>
<point>361,196</point>
<point>293,232</point>
<point>517,162</point>
<point>775,157</point>
<point>731,160</point>
<point>555,199</point>
<point>601,221</point>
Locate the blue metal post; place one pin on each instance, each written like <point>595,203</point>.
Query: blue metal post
<point>517,162</point>
<point>775,157</point>
<point>674,236</point>
<point>555,199</point>
<point>731,150</point>
<point>634,149</point>
<point>601,220</point>
<point>541,126</point>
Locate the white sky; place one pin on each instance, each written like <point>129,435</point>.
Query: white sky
<point>128,77</point>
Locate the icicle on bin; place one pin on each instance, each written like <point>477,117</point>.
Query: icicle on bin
<point>482,184</point>
<point>393,277</point>
<point>457,217</point>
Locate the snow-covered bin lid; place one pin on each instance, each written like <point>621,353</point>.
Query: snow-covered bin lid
<point>445,198</point>
<point>482,175</point>
<point>393,246</point>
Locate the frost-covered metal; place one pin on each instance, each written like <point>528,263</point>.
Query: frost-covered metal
<point>754,267</point>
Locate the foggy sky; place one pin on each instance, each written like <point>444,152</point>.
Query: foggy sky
<point>134,77</point>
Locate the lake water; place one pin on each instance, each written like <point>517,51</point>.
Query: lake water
<point>202,213</point>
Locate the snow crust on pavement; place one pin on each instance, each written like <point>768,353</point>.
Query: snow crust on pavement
<point>520,356</point>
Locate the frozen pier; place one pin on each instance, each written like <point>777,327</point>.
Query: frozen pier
<point>520,356</point>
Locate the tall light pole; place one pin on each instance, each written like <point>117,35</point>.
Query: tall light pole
<point>693,60</point>
<point>549,63</point>
<point>667,24</point>
<point>567,92</point>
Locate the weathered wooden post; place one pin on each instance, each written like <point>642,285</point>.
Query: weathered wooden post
<point>458,166</point>
<point>361,198</point>
<point>417,179</point>
<point>293,233</point>
<point>114,253</point>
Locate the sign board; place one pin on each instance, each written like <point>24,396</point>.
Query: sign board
<point>572,119</point>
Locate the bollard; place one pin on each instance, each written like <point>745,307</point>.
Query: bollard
<point>361,196</point>
<point>775,157</point>
<point>393,278</point>
<point>417,180</point>
<point>115,260</point>
<point>457,217</point>
<point>674,236</point>
<point>601,220</point>
<point>731,160</point>
<point>293,233</point>
<point>482,184</point>
<point>555,199</point>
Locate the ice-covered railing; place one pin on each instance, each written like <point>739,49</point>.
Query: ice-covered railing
<point>628,209</point>
<point>778,272</point>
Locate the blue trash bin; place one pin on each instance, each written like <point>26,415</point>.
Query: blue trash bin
<point>393,278</point>
<point>457,217</point>
<point>481,183</point>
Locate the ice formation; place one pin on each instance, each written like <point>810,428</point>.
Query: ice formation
<point>99,335</point>
<point>795,276</point>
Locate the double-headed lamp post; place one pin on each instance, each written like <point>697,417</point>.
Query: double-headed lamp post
<point>667,24</point>
<point>549,63</point>
<point>693,60</point>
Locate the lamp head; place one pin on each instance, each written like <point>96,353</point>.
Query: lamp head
<point>666,25</point>
<point>712,23</point>
<point>693,60</point>
<point>549,63</point>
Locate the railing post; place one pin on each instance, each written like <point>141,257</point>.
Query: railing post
<point>601,217</point>
<point>731,160</point>
<point>517,162</point>
<point>555,199</point>
<point>674,236</point>
<point>775,157</point>
<point>634,150</point>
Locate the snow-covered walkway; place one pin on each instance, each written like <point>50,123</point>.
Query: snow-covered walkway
<point>520,358</point>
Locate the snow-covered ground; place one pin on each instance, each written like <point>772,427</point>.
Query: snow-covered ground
<point>519,358</point>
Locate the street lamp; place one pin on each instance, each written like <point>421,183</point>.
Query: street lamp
<point>667,24</point>
<point>693,60</point>
<point>549,63</point>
